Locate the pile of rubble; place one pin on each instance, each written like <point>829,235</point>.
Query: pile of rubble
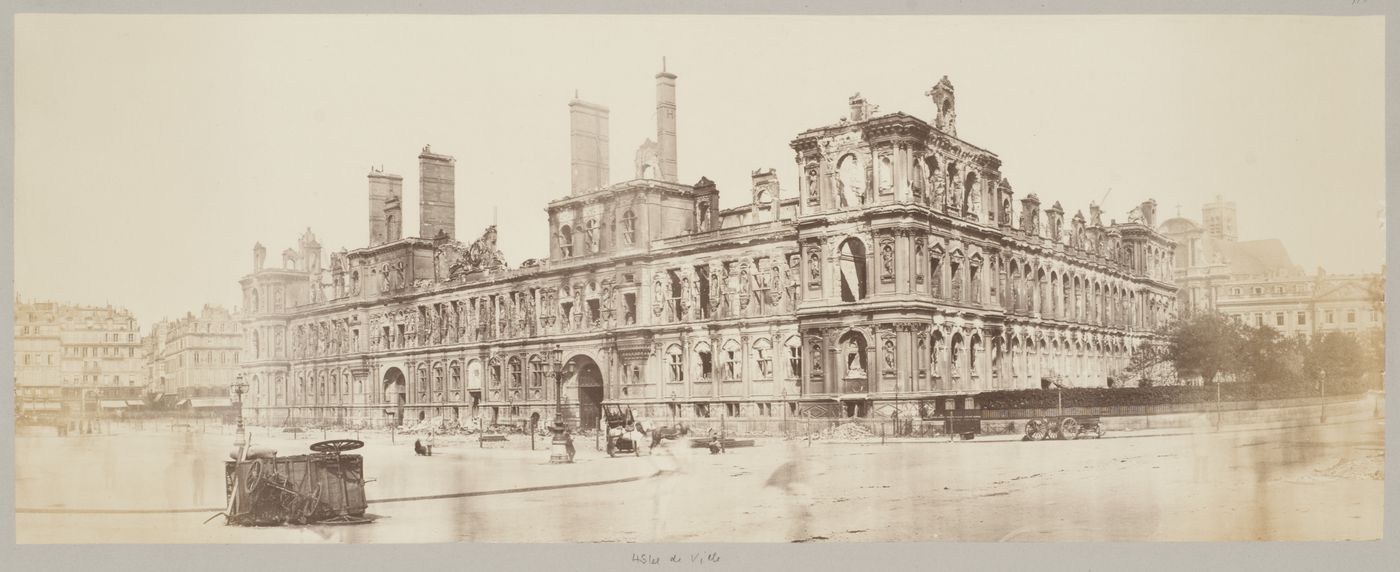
<point>846,432</point>
<point>1367,467</point>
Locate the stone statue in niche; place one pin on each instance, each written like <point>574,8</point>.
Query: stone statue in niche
<point>716,292</point>
<point>939,186</point>
<point>791,275</point>
<point>813,196</point>
<point>744,288</point>
<point>814,265</point>
<point>726,299</point>
<point>658,297</point>
<point>887,260</point>
<point>578,306</point>
<point>974,199</point>
<point>686,296</point>
<point>816,358</point>
<point>889,355</point>
<point>607,301</point>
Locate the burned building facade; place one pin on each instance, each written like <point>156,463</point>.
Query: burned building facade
<point>901,266</point>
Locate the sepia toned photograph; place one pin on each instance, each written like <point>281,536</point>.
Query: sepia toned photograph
<point>386,279</point>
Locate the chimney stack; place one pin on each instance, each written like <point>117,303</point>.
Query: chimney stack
<point>437,180</point>
<point>382,186</point>
<point>666,122</point>
<point>588,146</point>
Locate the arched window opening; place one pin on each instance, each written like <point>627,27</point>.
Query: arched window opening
<point>629,227</point>
<point>853,358</point>
<point>853,285</point>
<point>566,241</point>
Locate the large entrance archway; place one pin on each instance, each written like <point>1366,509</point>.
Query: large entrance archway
<point>588,384</point>
<point>395,393</point>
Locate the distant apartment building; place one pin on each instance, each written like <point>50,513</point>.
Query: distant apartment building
<point>192,360</point>
<point>76,359</point>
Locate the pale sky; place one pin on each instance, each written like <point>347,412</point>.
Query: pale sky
<point>153,151</point>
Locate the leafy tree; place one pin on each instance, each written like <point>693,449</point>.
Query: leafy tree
<point>1206,345</point>
<point>1337,355</point>
<point>1261,358</point>
<point>1146,363</point>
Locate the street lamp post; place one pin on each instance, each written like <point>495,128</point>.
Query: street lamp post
<point>239,388</point>
<point>558,450</point>
<point>1323,379</point>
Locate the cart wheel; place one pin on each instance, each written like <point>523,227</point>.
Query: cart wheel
<point>1069,428</point>
<point>253,478</point>
<point>337,445</point>
<point>1033,428</point>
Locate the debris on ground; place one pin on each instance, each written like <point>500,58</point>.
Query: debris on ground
<point>1368,467</point>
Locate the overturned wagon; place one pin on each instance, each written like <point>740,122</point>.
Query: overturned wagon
<point>1063,427</point>
<point>325,486</point>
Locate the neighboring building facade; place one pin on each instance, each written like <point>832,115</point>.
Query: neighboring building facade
<point>902,267</point>
<point>193,360</point>
<point>89,353</point>
<point>1257,282</point>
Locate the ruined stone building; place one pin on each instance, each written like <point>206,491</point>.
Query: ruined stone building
<point>901,265</point>
<point>1256,282</point>
<point>76,360</point>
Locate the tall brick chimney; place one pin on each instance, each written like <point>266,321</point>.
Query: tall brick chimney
<point>666,122</point>
<point>437,176</point>
<point>381,186</point>
<point>588,146</point>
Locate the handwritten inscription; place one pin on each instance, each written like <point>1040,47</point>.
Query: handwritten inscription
<point>651,559</point>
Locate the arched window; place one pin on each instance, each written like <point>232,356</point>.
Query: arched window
<point>257,345</point>
<point>763,358</point>
<point>794,357</point>
<point>421,383</point>
<point>516,373</point>
<point>935,270</point>
<point>493,372</point>
<point>591,230</point>
<point>437,377</point>
<point>729,365</point>
<point>852,262</point>
<point>704,361</point>
<point>566,241</point>
<point>675,361</point>
<point>536,372</point>
<point>629,227</point>
<point>454,375</point>
<point>850,182</point>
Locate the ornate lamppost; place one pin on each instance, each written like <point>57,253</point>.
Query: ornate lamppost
<point>558,450</point>
<point>239,387</point>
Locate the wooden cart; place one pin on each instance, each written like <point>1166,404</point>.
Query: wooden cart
<point>325,486</point>
<point>1064,427</point>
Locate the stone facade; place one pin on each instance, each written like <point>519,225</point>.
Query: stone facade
<point>91,355</point>
<point>902,266</point>
<point>1256,281</point>
<point>194,356</point>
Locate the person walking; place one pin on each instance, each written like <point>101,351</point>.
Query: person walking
<point>569,444</point>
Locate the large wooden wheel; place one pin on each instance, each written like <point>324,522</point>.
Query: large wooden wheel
<point>1069,428</point>
<point>252,479</point>
<point>1036,429</point>
<point>337,445</point>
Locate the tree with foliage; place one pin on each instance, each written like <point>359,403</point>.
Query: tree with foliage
<point>1206,345</point>
<point>1147,362</point>
<point>1261,358</point>
<point>1338,354</point>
